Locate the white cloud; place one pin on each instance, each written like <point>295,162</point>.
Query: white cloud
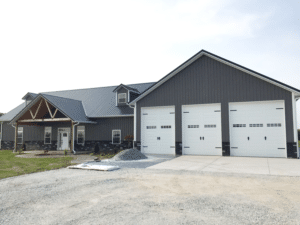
<point>57,45</point>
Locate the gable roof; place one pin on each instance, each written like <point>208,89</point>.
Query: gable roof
<point>81,104</point>
<point>220,59</point>
<point>69,107</point>
<point>126,87</point>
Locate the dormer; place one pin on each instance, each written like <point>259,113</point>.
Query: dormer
<point>29,97</point>
<point>125,94</point>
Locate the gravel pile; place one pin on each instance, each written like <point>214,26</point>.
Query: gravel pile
<point>129,154</point>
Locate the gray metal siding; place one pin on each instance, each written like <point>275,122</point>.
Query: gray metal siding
<point>8,132</point>
<point>209,81</point>
<point>103,130</point>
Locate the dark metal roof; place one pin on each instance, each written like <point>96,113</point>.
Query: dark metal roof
<point>70,107</point>
<point>12,113</point>
<point>100,102</point>
<point>81,104</point>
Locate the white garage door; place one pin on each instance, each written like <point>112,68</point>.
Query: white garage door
<point>257,129</point>
<point>201,129</point>
<point>158,130</point>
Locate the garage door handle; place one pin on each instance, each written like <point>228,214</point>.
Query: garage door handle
<point>248,138</point>
<point>265,138</point>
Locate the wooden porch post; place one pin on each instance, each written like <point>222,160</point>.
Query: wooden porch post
<point>72,139</point>
<point>16,137</point>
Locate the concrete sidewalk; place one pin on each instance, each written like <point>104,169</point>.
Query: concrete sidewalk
<point>246,165</point>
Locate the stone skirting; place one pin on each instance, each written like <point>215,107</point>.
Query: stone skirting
<point>225,148</point>
<point>178,149</point>
<point>7,145</point>
<point>104,146</point>
<point>292,149</point>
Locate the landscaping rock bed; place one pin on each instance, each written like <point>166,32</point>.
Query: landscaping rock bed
<point>129,154</point>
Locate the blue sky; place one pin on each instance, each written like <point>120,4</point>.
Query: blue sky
<point>61,45</point>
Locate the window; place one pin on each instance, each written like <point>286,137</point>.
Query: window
<point>239,125</point>
<point>193,126</point>
<point>256,125</point>
<point>80,135</point>
<point>274,125</point>
<point>210,126</point>
<point>151,127</point>
<point>48,135</point>
<point>20,135</point>
<point>116,136</point>
<point>122,98</point>
<point>166,127</point>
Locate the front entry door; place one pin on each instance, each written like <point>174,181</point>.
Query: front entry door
<point>65,141</point>
<point>63,138</point>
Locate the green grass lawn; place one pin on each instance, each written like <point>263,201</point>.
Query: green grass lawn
<point>13,166</point>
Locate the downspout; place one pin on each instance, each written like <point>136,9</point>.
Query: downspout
<point>134,125</point>
<point>74,138</point>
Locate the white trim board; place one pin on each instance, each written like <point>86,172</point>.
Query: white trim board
<point>196,57</point>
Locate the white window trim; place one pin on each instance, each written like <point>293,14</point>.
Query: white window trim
<point>20,129</point>
<point>79,128</point>
<point>45,135</point>
<point>113,136</point>
<point>121,98</point>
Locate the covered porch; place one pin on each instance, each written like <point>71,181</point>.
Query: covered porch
<point>48,123</point>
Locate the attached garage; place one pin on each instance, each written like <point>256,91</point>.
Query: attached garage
<point>258,129</point>
<point>201,129</point>
<point>158,130</point>
<point>221,108</point>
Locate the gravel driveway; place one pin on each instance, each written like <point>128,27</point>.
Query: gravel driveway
<point>145,196</point>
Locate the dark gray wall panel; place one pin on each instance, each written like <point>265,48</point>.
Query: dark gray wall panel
<point>103,130</point>
<point>209,81</point>
<point>8,132</point>
<point>37,132</point>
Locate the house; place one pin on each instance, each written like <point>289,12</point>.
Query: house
<point>75,119</point>
<point>206,106</point>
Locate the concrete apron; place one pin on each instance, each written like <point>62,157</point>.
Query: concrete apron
<point>244,165</point>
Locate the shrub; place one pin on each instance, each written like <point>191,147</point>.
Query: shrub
<point>129,138</point>
<point>96,149</point>
<point>65,152</point>
<point>23,147</point>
